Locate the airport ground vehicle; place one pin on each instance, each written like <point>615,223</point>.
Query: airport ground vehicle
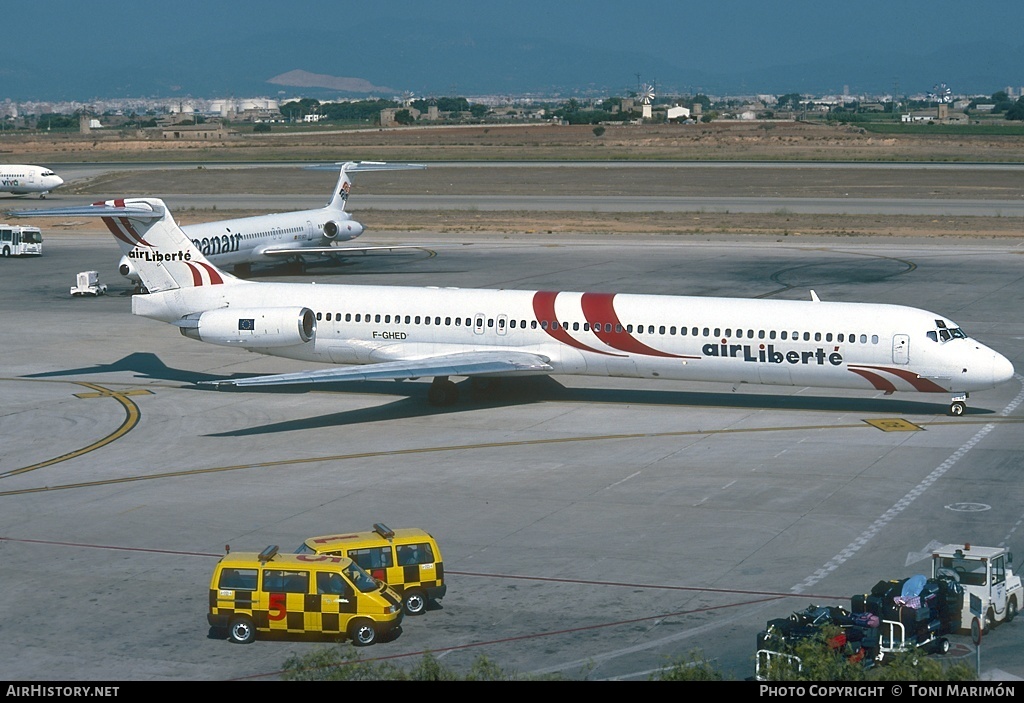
<point>88,283</point>
<point>299,593</point>
<point>407,559</point>
<point>20,241</point>
<point>984,573</point>
<point>901,615</point>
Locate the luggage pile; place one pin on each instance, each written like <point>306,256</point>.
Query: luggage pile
<point>858,638</point>
<point>898,615</point>
<point>925,608</point>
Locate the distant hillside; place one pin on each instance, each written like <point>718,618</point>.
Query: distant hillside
<point>304,79</point>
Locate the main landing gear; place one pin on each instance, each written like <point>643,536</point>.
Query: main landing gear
<point>958,405</point>
<point>442,392</point>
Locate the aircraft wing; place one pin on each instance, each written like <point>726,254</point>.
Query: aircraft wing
<point>475,363</point>
<point>333,251</point>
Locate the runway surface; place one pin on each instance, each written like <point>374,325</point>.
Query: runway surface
<point>591,528</point>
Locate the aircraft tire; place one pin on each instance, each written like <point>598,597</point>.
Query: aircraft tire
<point>442,393</point>
<point>957,408</point>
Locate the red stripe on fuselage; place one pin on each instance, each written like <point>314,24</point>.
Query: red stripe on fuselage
<point>922,385</point>
<point>599,311</point>
<point>544,310</point>
<point>877,381</point>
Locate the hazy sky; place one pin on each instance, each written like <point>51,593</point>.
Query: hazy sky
<point>82,40</point>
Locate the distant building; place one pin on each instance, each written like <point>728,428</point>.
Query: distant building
<point>196,132</point>
<point>677,113</point>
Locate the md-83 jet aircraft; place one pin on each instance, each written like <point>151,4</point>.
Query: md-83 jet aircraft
<point>285,236</point>
<point>394,332</point>
<point>20,179</point>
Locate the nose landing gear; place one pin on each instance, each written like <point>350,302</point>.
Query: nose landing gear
<point>958,405</point>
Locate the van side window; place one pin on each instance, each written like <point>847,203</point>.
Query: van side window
<point>372,557</point>
<point>275,581</point>
<point>238,579</point>
<point>332,584</point>
<point>410,554</point>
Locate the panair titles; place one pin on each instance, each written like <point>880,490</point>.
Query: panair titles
<point>218,245</point>
<point>768,354</point>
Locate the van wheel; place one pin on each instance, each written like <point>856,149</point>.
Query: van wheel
<point>242,630</point>
<point>415,602</point>
<point>362,633</point>
<point>1011,610</point>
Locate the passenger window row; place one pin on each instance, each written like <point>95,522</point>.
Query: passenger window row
<point>716,333</point>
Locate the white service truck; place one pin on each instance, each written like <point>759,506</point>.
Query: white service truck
<point>88,283</point>
<point>985,573</point>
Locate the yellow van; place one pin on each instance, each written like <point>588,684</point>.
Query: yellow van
<point>407,559</point>
<point>299,593</point>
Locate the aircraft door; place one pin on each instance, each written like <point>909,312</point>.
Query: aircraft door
<point>311,232</point>
<point>901,349</point>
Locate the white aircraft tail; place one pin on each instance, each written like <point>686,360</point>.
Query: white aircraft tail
<point>163,255</point>
<point>344,186</point>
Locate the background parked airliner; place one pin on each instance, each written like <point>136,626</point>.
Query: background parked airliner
<point>392,332</point>
<point>295,235</point>
<point>285,236</point>
<point>20,179</point>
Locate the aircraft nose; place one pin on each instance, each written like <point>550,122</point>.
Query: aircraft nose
<point>1002,369</point>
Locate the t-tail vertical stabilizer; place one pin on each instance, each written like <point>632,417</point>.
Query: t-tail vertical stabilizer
<point>147,234</point>
<point>341,191</point>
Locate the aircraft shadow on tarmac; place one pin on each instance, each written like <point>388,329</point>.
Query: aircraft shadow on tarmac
<point>508,392</point>
<point>526,391</point>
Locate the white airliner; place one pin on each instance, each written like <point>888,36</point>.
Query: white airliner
<point>282,236</point>
<point>392,332</point>
<point>20,179</point>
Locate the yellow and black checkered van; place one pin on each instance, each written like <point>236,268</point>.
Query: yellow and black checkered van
<point>297,594</point>
<point>407,559</point>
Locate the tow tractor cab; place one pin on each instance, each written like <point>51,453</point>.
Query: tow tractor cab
<point>985,573</point>
<point>298,594</point>
<point>407,559</point>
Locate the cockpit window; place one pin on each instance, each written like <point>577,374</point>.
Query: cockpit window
<point>944,334</point>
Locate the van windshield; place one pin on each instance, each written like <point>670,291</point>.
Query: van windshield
<point>360,579</point>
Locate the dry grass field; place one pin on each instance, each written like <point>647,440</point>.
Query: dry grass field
<point>714,142</point>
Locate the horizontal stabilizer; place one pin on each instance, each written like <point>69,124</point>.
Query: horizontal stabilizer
<point>357,166</point>
<point>476,363</point>
<point>136,210</point>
